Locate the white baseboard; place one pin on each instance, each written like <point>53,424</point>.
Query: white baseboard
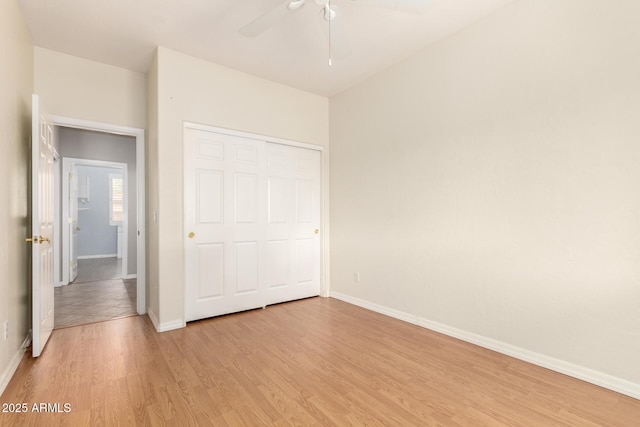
<point>166,326</point>
<point>58,284</point>
<point>169,326</point>
<point>153,317</point>
<point>130,276</point>
<point>13,364</point>
<point>96,256</point>
<point>601,379</point>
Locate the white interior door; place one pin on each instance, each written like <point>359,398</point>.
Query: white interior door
<point>252,209</point>
<point>42,228</point>
<point>73,223</point>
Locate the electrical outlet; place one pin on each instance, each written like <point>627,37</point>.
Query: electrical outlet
<point>6,330</point>
<point>356,277</point>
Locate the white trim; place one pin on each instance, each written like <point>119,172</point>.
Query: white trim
<point>167,326</point>
<point>57,220</point>
<point>13,364</point>
<point>130,276</point>
<point>153,318</point>
<point>97,256</point>
<point>248,135</point>
<point>598,378</point>
<point>141,192</point>
<point>170,326</point>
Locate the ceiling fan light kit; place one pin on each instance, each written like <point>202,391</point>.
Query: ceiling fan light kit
<point>337,36</point>
<point>328,13</point>
<point>296,4</point>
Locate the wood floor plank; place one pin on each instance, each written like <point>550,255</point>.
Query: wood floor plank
<point>311,362</point>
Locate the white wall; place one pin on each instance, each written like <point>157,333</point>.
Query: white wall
<point>82,89</point>
<point>16,86</point>
<point>191,89</point>
<point>491,183</point>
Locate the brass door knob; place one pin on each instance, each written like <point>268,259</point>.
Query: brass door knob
<point>316,231</point>
<point>192,235</point>
<point>37,239</point>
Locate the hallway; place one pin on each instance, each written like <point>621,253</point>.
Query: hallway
<point>97,294</point>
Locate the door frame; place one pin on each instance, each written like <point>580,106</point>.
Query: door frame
<point>141,246</point>
<point>324,291</point>
<point>67,163</point>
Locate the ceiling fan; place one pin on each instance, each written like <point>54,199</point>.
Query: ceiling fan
<point>338,41</point>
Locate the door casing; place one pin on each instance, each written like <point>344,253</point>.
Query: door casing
<point>139,135</point>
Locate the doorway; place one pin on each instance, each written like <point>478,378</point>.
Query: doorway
<point>95,201</point>
<point>102,250</point>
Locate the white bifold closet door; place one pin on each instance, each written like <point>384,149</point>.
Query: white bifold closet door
<point>252,220</point>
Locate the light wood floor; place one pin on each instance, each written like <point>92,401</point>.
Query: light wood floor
<point>311,362</point>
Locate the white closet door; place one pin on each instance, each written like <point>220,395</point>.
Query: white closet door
<point>293,232</point>
<point>252,209</point>
<point>224,217</point>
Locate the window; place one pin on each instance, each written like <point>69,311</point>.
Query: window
<point>116,199</point>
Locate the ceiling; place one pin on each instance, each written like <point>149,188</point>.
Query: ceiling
<point>294,51</point>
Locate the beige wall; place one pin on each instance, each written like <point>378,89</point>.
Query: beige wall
<point>16,86</point>
<point>74,87</point>
<point>152,190</point>
<point>194,90</point>
<point>492,183</point>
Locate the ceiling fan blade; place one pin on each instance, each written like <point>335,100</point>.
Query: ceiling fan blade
<point>340,46</point>
<point>407,6</point>
<point>266,21</point>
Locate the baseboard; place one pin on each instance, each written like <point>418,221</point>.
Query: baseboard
<point>153,317</point>
<point>13,364</point>
<point>601,379</point>
<point>169,326</point>
<point>97,256</point>
<point>166,326</point>
<point>397,314</point>
<point>130,276</point>
<point>58,284</point>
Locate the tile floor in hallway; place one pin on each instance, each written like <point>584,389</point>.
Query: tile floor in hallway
<point>95,295</point>
<point>91,270</point>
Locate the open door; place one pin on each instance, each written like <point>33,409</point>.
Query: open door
<point>73,223</point>
<point>42,213</point>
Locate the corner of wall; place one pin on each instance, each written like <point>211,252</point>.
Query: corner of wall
<point>16,86</point>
